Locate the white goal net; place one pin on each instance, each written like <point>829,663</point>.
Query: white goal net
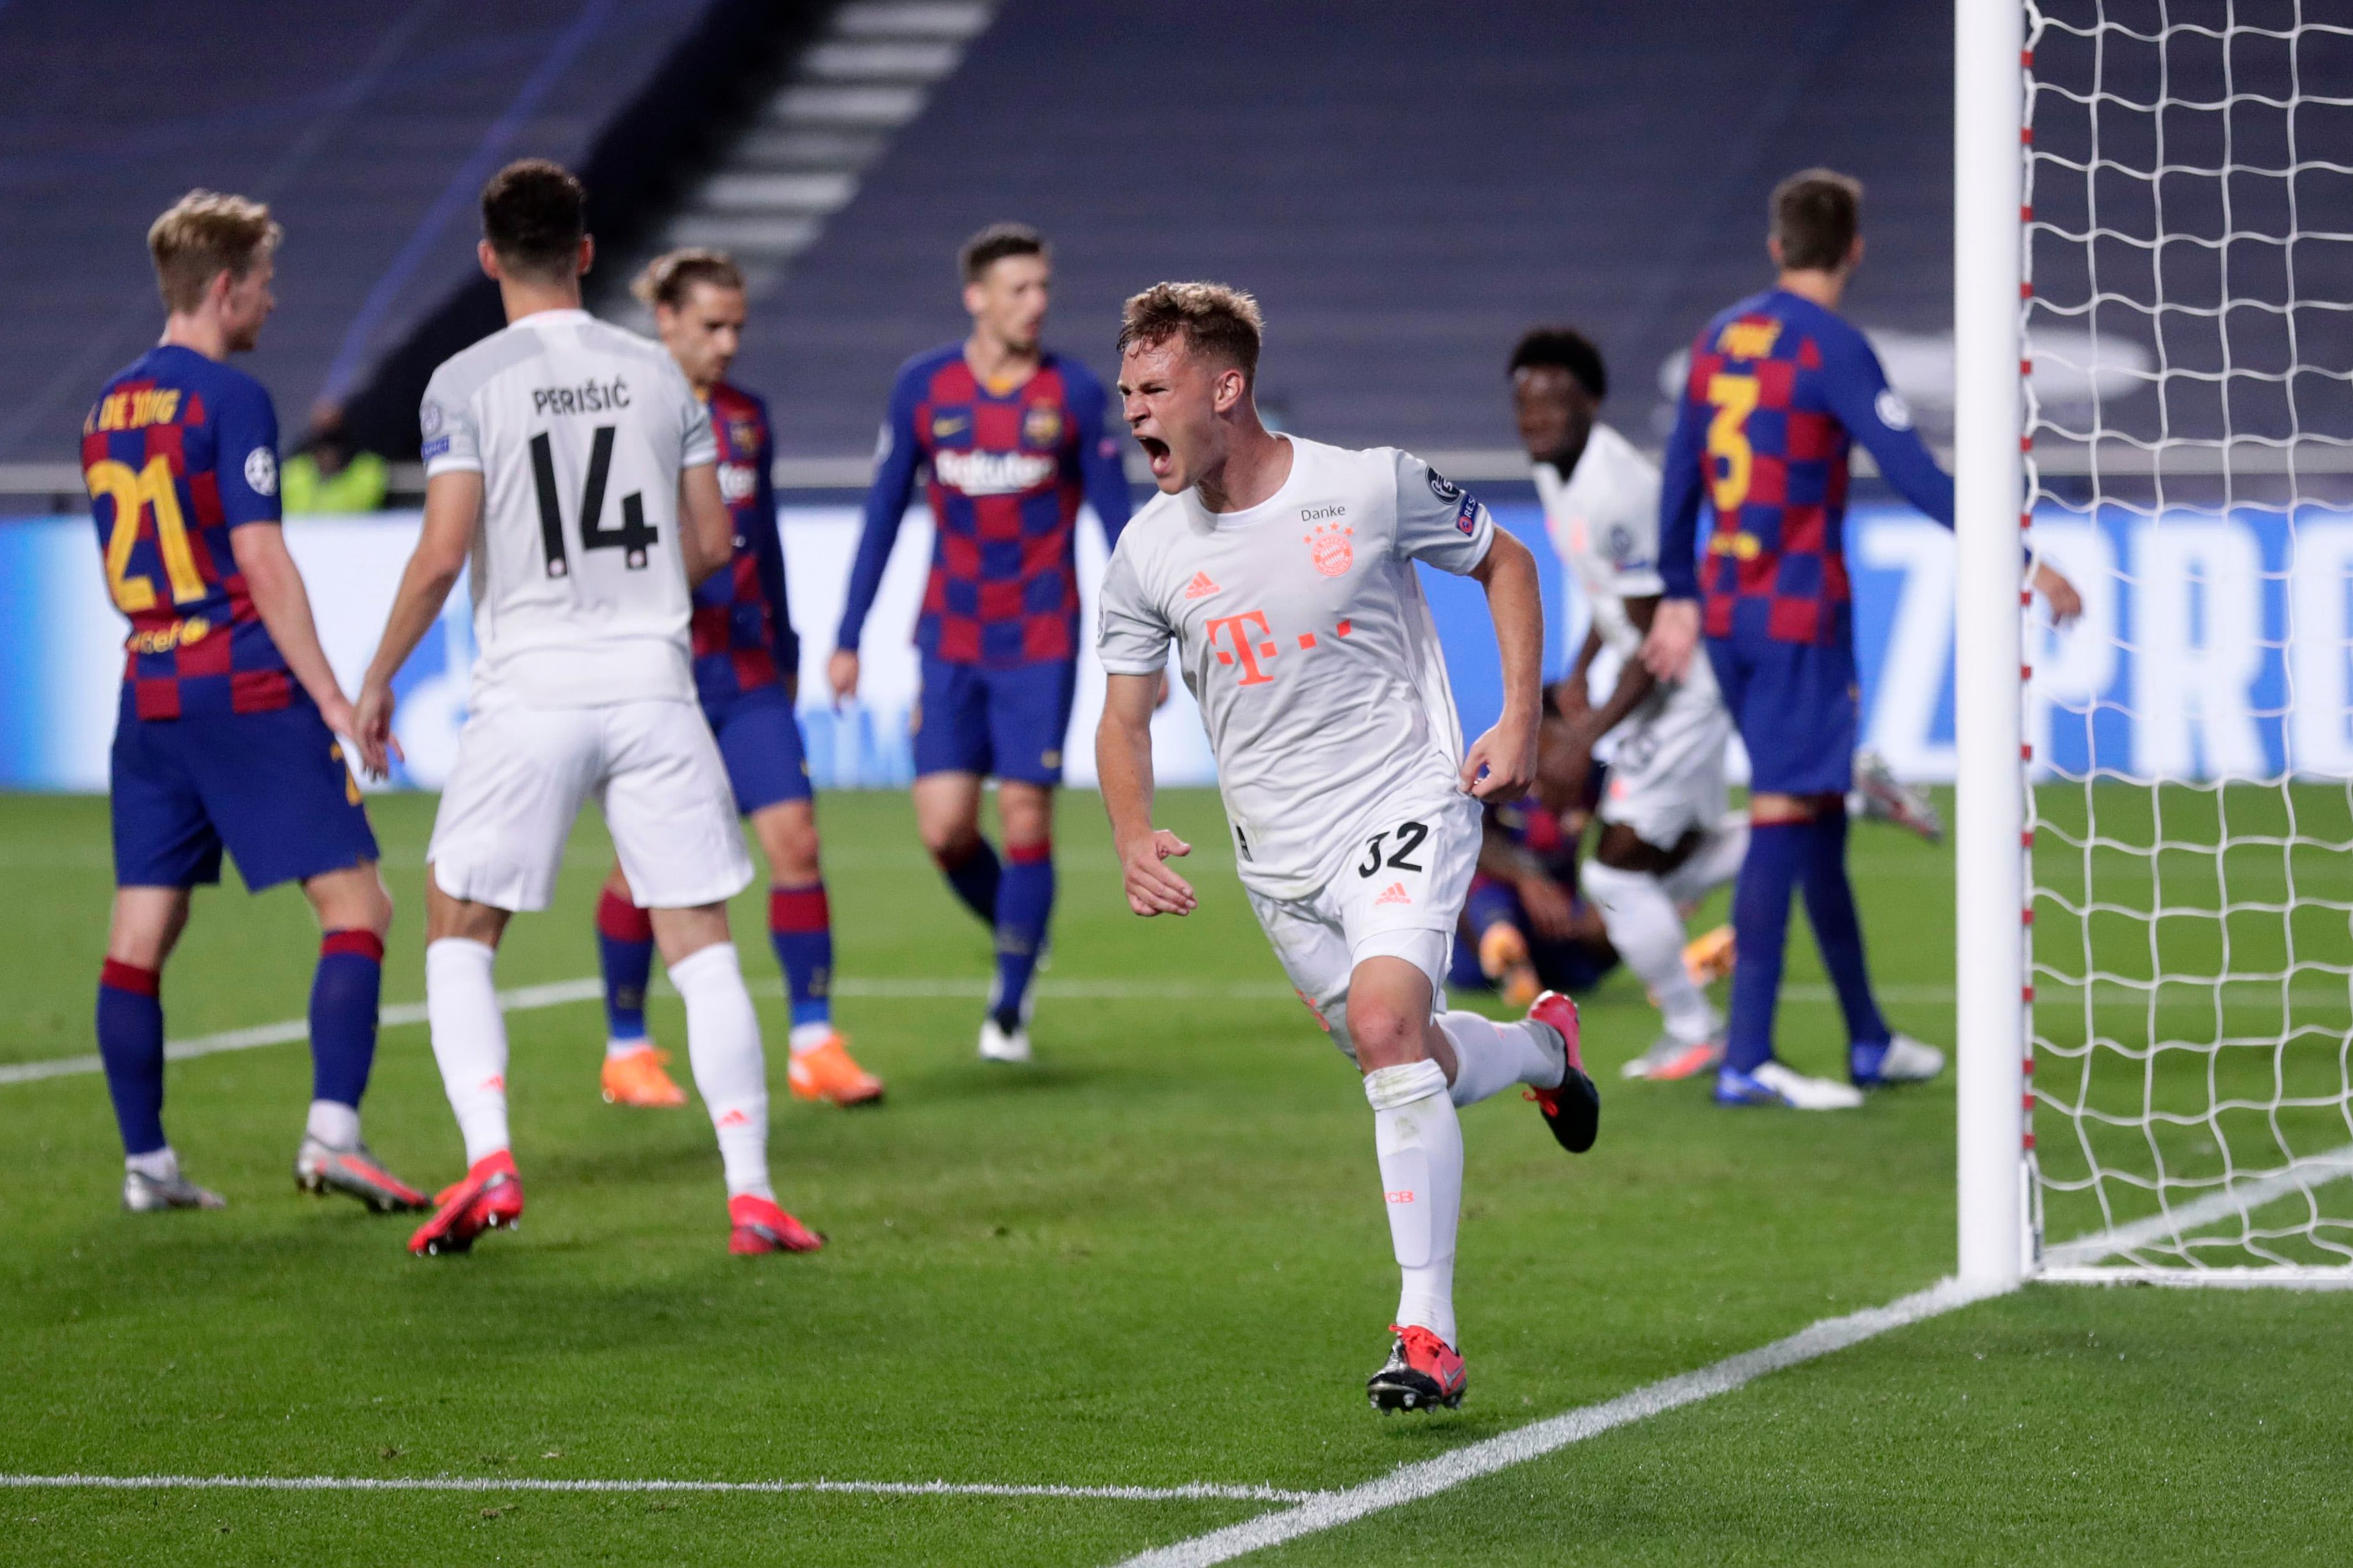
<point>2189,321</point>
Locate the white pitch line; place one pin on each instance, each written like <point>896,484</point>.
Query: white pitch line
<point>2175,1223</point>
<point>1195,1491</point>
<point>1411,1483</point>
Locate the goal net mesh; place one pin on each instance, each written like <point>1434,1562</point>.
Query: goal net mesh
<point>2189,326</point>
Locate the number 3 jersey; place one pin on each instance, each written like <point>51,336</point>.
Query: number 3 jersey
<point>177,452</point>
<point>580,431</point>
<point>1778,389</point>
<point>1303,634</point>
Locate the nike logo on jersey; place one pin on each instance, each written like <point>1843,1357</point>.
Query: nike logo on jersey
<point>1201,587</point>
<point>1394,893</point>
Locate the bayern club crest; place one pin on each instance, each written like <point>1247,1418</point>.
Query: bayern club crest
<point>1329,547</point>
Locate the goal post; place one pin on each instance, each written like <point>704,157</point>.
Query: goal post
<point>1990,808</point>
<point>2153,318</point>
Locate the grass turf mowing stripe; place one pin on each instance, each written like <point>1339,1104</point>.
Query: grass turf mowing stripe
<point>1411,1483</point>
<point>1192,1491</point>
<point>562,993</point>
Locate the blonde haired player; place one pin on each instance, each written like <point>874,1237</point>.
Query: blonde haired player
<point>573,464</point>
<point>1284,570</point>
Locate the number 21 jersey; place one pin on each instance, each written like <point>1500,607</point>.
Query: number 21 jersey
<point>580,431</point>
<point>1302,632</point>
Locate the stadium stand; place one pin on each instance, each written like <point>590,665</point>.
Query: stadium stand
<point>1342,161</point>
<point>369,141</point>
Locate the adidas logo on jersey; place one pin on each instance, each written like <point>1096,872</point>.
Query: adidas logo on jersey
<point>1201,587</point>
<point>1394,893</point>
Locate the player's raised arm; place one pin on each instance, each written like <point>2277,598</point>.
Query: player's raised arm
<point>1674,626</point>
<point>897,454</point>
<point>453,503</point>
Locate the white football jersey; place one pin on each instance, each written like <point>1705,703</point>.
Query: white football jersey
<point>580,431</point>
<point>1304,634</point>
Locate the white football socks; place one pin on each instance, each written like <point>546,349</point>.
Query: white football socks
<point>334,1123</point>
<point>469,1040</point>
<point>722,1042</point>
<point>1420,1147</point>
<point>1639,915</point>
<point>1490,1058</point>
<point>156,1164</point>
<point>1716,862</point>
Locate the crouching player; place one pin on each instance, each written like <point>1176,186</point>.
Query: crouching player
<point>226,735</point>
<point>1283,570</point>
<point>745,655</point>
<point>1525,928</point>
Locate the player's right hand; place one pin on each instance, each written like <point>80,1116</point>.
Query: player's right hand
<point>842,674</point>
<point>1152,888</point>
<point>1674,633</point>
<point>372,728</point>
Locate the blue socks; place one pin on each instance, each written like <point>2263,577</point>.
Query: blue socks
<point>1025,902</point>
<point>625,944</point>
<point>1760,929</point>
<point>1783,856</point>
<point>800,927</point>
<point>1829,909</point>
<point>131,1044</point>
<point>343,994</point>
<point>976,879</point>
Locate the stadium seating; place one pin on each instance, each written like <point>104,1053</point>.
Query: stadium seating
<point>1405,186</point>
<point>369,141</point>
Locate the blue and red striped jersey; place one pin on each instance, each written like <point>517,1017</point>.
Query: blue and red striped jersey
<point>177,452</point>
<point>743,625</point>
<point>1779,391</point>
<point>1008,473</point>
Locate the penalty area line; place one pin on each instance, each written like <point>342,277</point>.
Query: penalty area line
<point>1411,1483</point>
<point>1194,1491</point>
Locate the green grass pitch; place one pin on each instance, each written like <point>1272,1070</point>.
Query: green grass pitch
<point>1153,1258</point>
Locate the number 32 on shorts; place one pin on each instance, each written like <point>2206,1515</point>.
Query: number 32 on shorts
<point>1399,855</point>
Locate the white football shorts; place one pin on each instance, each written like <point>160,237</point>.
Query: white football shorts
<point>1666,769</point>
<point>1397,895</point>
<point>522,772</point>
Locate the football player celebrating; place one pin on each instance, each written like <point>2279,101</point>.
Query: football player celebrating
<point>574,464</point>
<point>746,661</point>
<point>1780,386</point>
<point>226,734</point>
<point>1014,437</point>
<point>1665,843</point>
<point>1284,570</point>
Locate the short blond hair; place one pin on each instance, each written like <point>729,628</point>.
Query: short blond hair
<point>669,277</point>
<point>204,235</point>
<point>1218,322</point>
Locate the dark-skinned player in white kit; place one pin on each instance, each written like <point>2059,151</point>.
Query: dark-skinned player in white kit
<point>1284,570</point>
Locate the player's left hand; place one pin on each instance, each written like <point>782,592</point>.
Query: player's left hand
<point>372,728</point>
<point>1152,888</point>
<point>2059,594</point>
<point>1502,764</point>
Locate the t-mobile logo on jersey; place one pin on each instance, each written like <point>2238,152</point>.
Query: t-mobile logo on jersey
<point>1252,641</point>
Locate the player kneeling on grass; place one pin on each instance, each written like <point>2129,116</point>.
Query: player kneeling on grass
<point>745,656</point>
<point>1284,570</point>
<point>577,465</point>
<point>225,736</point>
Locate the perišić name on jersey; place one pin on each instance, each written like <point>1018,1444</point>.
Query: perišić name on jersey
<point>588,397</point>
<point>993,473</point>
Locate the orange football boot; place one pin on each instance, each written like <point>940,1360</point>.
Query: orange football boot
<point>1504,959</point>
<point>636,1077</point>
<point>830,1072</point>
<point>1572,1108</point>
<point>756,1225</point>
<point>490,1197</point>
<point>1708,958</point>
